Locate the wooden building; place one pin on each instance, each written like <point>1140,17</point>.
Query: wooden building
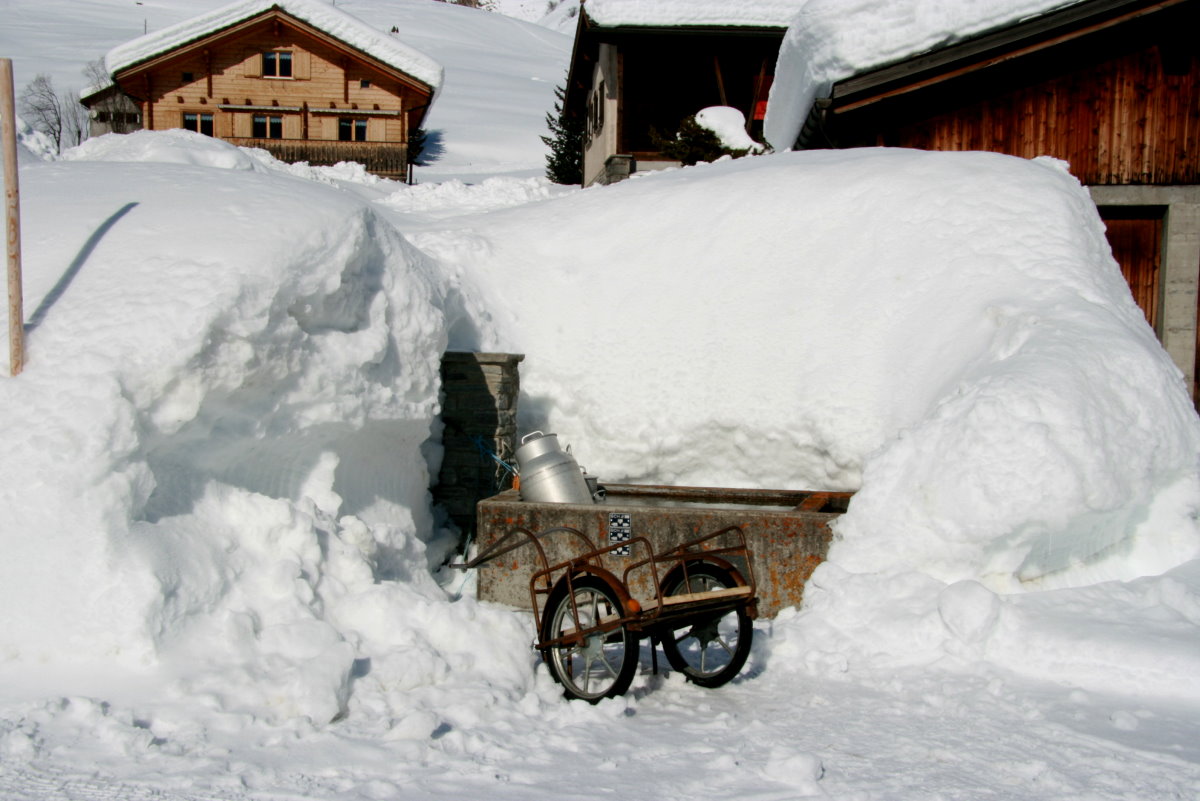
<point>630,77</point>
<point>1110,86</point>
<point>299,78</point>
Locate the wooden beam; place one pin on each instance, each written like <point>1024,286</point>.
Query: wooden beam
<point>12,203</point>
<point>148,105</point>
<point>720,80</point>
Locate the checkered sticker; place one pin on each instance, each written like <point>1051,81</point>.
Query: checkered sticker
<point>619,530</point>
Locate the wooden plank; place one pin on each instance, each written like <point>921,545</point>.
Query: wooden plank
<point>694,597</point>
<point>12,218</point>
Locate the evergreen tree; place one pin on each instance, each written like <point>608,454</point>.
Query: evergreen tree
<point>416,148</point>
<point>692,144</point>
<point>564,162</point>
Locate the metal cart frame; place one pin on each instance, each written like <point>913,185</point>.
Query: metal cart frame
<point>589,623</point>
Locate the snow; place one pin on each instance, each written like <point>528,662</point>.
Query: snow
<point>729,125</point>
<point>320,15</point>
<point>497,68</point>
<point>221,559</point>
<point>755,13</point>
<point>829,40</point>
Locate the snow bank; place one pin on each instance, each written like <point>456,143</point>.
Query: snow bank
<point>947,331</point>
<point>453,198</point>
<point>220,438</point>
<point>320,15</point>
<point>32,145</point>
<point>829,40</point>
<point>175,146</point>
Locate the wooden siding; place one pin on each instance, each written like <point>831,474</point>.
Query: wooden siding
<point>1122,121</point>
<point>223,77</point>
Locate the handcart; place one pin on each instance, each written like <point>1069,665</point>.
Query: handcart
<point>589,624</point>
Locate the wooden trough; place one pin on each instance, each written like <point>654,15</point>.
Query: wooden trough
<point>787,533</point>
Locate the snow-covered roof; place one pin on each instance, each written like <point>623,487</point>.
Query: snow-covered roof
<point>829,40</point>
<point>323,16</point>
<point>749,13</point>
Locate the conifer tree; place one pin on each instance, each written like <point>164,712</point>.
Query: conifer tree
<point>564,162</point>
<point>692,144</point>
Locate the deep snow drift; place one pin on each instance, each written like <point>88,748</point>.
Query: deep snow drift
<point>227,439</point>
<point>168,390</point>
<point>952,324</point>
<point>218,542</point>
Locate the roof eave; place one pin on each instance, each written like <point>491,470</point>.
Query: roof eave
<point>278,12</point>
<point>988,49</point>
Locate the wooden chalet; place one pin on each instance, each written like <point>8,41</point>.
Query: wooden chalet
<point>298,78</point>
<point>1110,86</point>
<point>627,81</point>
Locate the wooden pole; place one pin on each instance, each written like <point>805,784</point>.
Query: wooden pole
<point>12,204</point>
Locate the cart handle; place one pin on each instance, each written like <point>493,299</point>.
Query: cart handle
<point>497,549</point>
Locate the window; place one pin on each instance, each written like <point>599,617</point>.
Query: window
<point>595,112</point>
<point>352,130</point>
<point>277,64</point>
<point>187,77</point>
<point>118,117</point>
<point>267,127</point>
<point>200,123</point>
<point>364,84</point>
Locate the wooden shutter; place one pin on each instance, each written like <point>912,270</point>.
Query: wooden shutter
<point>293,126</point>
<point>301,65</point>
<point>241,126</point>
<point>252,66</point>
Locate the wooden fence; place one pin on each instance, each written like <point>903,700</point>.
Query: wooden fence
<point>386,159</point>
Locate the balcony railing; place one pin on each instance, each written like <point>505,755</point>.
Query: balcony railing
<point>387,159</point>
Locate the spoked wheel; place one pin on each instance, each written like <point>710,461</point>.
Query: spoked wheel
<point>602,666</point>
<point>711,649</point>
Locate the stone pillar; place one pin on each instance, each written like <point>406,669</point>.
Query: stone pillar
<point>479,411</point>
<point>618,168</point>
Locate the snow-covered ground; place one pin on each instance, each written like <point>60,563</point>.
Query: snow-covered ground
<point>220,576</point>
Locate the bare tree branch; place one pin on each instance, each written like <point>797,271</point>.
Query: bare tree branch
<point>40,107</point>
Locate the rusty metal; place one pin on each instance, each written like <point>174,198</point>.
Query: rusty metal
<point>786,536</point>
<point>689,579</point>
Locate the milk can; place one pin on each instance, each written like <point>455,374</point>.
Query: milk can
<point>548,473</point>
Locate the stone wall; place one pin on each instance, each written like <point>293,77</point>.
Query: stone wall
<point>479,411</point>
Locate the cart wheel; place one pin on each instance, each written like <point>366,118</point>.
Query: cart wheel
<point>711,650</point>
<point>604,664</point>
